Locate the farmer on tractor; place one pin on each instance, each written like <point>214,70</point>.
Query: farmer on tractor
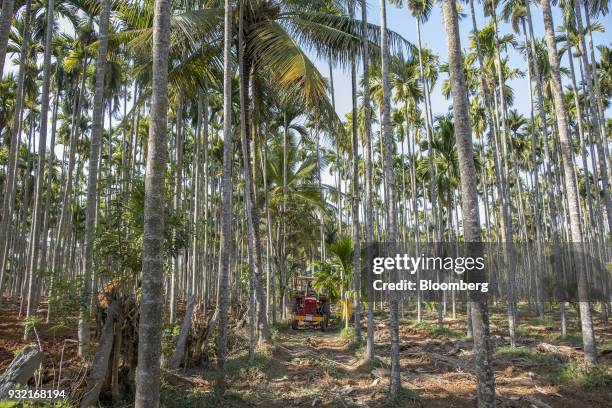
<point>308,309</point>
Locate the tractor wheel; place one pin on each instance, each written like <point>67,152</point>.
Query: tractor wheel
<point>294,324</point>
<point>323,325</point>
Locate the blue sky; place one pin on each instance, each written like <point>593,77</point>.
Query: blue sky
<point>402,22</point>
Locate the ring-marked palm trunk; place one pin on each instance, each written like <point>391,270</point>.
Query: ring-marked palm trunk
<point>40,171</point>
<point>355,199</point>
<point>588,335</point>
<point>178,204</point>
<point>150,324</point>
<point>590,79</point>
<point>6,17</point>
<point>504,188</point>
<point>254,236</point>
<point>551,204</point>
<point>395,384</point>
<point>485,380</point>
<point>11,179</point>
<point>44,264</point>
<point>226,199</point>
<point>367,148</point>
<point>92,178</point>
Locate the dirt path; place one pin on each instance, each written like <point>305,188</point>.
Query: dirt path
<point>320,369</point>
<point>314,369</point>
<point>309,368</point>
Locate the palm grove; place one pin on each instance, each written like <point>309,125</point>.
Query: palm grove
<point>176,151</point>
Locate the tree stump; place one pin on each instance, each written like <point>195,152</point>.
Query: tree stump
<point>179,352</point>
<point>97,375</point>
<point>21,369</point>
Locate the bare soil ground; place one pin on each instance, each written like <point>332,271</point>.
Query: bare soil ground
<point>309,368</point>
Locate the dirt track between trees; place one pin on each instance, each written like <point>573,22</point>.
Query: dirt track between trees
<point>309,368</point>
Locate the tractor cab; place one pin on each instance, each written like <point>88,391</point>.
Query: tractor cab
<point>308,307</point>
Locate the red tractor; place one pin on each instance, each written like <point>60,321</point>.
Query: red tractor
<point>309,309</point>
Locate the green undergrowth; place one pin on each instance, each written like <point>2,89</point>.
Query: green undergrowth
<point>35,404</point>
<point>525,354</point>
<point>347,333</point>
<point>433,330</point>
<point>524,332</point>
<point>446,331</point>
<point>177,397</point>
<point>547,321</point>
<point>244,366</point>
<point>282,326</point>
<point>367,366</point>
<point>606,345</point>
<point>354,344</point>
<point>418,325</point>
<point>570,338</point>
<point>405,398</point>
<point>594,377</point>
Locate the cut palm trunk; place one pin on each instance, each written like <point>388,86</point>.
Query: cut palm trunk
<point>179,353</point>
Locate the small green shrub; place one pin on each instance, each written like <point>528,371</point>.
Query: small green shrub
<point>169,336</point>
<point>280,327</point>
<point>64,299</point>
<point>348,333</point>
<point>521,331</point>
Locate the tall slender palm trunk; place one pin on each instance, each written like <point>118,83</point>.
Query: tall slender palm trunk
<point>551,202</point>
<point>578,107</point>
<point>5,29</point>
<point>537,211</point>
<point>337,155</point>
<point>62,223</point>
<point>226,199</point>
<point>271,279</point>
<point>355,198</point>
<point>44,262</point>
<point>196,202</point>
<point>588,335</point>
<point>40,170</point>
<point>428,130</point>
<point>591,80</point>
<point>504,188</point>
<point>254,236</point>
<point>178,204</point>
<point>11,182</point>
<point>150,325</point>
<point>367,148</point>
<point>485,380</point>
<point>92,178</point>
<point>395,383</point>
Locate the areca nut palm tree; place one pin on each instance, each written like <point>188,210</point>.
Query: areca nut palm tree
<point>150,325</point>
<point>485,380</point>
